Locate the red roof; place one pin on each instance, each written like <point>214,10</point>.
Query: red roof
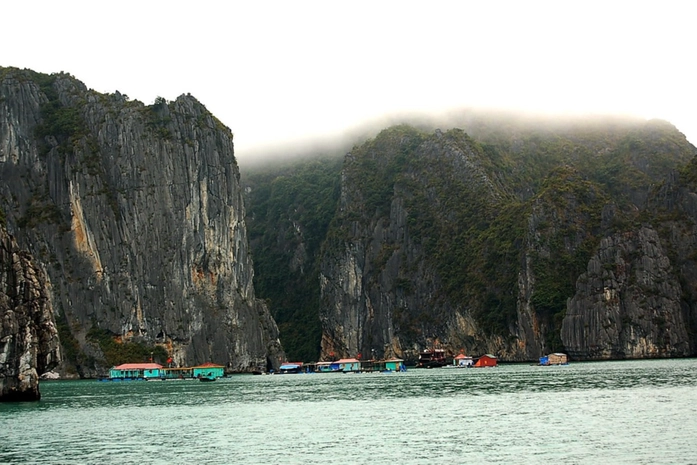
<point>138,366</point>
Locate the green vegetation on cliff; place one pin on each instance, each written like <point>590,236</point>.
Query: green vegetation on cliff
<point>289,211</point>
<point>117,352</point>
<point>476,205</point>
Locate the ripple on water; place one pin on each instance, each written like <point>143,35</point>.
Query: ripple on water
<point>613,412</point>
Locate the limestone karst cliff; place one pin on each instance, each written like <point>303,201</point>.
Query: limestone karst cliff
<point>136,213</point>
<point>627,303</point>
<point>503,238</point>
<point>29,345</point>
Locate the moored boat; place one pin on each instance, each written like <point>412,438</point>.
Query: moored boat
<point>554,359</point>
<point>290,368</point>
<point>433,358</point>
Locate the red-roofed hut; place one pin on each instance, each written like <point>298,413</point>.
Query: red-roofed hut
<point>349,364</point>
<point>486,360</point>
<point>208,371</point>
<point>127,371</point>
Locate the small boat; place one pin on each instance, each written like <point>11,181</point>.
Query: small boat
<point>554,359</point>
<point>291,368</point>
<point>206,379</point>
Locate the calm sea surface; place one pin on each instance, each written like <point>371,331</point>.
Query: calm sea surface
<point>638,412</point>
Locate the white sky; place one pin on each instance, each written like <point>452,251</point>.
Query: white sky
<point>278,72</point>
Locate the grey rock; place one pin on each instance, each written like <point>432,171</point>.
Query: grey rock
<point>137,213</point>
<point>628,303</point>
<point>29,346</point>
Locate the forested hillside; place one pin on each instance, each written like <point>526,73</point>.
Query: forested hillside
<point>293,206</point>
<point>472,238</point>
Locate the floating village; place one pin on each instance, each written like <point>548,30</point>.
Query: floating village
<point>432,358</point>
<point>156,372</point>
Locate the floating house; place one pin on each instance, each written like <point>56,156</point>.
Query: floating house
<point>155,371</point>
<point>349,365</point>
<point>133,371</point>
<point>394,364</point>
<point>291,367</point>
<point>327,367</point>
<point>208,371</point>
<point>176,373</point>
<point>554,359</point>
<point>486,360</point>
<point>463,361</point>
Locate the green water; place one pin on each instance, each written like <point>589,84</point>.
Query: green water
<point>638,412</point>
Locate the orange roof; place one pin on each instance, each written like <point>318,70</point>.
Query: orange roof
<point>348,360</point>
<point>461,356</point>
<point>138,366</point>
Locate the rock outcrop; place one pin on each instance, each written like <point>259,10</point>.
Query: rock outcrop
<point>382,293</point>
<point>137,214</point>
<point>513,244</point>
<point>628,303</point>
<point>486,239</point>
<point>29,345</point>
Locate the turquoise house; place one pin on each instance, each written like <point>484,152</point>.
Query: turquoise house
<point>129,371</point>
<point>208,370</point>
<point>349,364</point>
<point>395,364</point>
<point>327,367</point>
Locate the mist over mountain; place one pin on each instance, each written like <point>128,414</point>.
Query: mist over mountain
<point>472,231</point>
<point>481,239</point>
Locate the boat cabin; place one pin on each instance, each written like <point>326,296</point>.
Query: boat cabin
<point>432,358</point>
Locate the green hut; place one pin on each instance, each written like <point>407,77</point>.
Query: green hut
<point>208,370</point>
<point>349,365</point>
<point>128,371</point>
<point>395,364</point>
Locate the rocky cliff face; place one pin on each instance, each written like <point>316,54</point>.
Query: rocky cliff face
<point>628,304</point>
<point>514,244</point>
<point>382,291</point>
<point>136,211</point>
<point>29,345</point>
<point>638,296</point>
